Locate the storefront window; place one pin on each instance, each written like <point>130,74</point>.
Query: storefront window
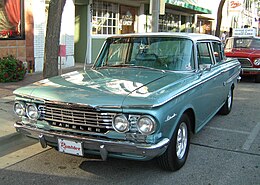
<point>204,26</point>
<point>10,19</point>
<point>168,22</point>
<point>105,17</point>
<point>127,19</point>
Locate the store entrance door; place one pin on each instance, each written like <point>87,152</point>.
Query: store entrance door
<point>127,19</point>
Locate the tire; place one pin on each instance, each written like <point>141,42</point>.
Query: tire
<point>226,108</point>
<point>257,78</point>
<point>177,152</point>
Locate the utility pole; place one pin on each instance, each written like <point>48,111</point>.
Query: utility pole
<point>155,14</point>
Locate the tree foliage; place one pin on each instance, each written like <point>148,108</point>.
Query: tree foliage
<point>52,38</point>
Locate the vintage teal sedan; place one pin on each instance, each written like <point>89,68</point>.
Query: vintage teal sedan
<point>143,97</point>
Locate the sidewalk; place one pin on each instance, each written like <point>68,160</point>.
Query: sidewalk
<point>7,116</point>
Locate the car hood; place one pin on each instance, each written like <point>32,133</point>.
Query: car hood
<point>111,87</point>
<point>242,52</point>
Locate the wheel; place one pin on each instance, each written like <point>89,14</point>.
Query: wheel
<point>257,78</point>
<point>226,108</point>
<point>177,152</point>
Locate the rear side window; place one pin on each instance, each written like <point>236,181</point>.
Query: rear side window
<point>204,58</point>
<point>217,51</point>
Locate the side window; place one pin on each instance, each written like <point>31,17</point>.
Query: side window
<point>217,51</point>
<point>204,58</point>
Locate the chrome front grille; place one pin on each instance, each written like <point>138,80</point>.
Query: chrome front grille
<point>69,117</point>
<point>245,62</point>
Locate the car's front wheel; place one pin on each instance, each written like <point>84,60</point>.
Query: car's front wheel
<point>177,152</point>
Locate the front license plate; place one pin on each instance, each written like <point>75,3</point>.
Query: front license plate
<point>70,147</point>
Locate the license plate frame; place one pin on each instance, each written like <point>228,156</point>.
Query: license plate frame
<point>70,147</point>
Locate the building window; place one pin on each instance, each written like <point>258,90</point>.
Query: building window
<point>11,24</point>
<point>169,22</point>
<point>105,18</point>
<point>204,26</point>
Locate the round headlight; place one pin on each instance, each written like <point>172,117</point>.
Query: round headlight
<point>120,123</point>
<point>19,108</point>
<point>32,111</point>
<point>146,125</point>
<point>257,62</point>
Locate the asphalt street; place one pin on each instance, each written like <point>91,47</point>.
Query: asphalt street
<point>226,151</point>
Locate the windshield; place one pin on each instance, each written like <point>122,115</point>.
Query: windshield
<point>247,43</point>
<point>165,53</point>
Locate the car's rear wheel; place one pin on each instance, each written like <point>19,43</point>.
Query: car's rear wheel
<point>257,78</point>
<point>177,152</point>
<point>226,108</point>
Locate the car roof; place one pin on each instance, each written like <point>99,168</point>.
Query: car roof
<point>191,36</point>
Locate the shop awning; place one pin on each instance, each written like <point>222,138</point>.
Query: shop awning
<point>187,6</point>
<point>205,17</point>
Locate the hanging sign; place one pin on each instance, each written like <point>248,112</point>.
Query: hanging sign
<point>235,5</point>
<point>127,19</point>
<point>244,32</point>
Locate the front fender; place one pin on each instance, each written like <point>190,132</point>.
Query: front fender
<point>172,113</point>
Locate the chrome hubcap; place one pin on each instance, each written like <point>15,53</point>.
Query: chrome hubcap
<point>182,139</point>
<point>229,99</point>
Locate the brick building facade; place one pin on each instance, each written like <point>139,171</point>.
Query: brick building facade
<point>26,41</point>
<point>23,47</point>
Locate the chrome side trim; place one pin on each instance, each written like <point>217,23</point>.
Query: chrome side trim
<point>236,75</point>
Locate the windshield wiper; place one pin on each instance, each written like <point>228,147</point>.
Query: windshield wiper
<point>117,65</point>
<point>120,65</point>
<point>133,66</point>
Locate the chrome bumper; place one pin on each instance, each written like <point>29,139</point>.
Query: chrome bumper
<point>121,149</point>
<point>250,71</point>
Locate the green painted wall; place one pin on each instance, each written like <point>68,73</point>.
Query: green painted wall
<point>80,39</point>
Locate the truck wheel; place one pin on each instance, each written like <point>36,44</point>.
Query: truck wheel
<point>257,78</point>
<point>177,152</point>
<point>226,108</point>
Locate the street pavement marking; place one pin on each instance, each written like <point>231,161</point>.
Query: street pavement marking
<point>229,130</point>
<point>21,155</point>
<point>251,137</point>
